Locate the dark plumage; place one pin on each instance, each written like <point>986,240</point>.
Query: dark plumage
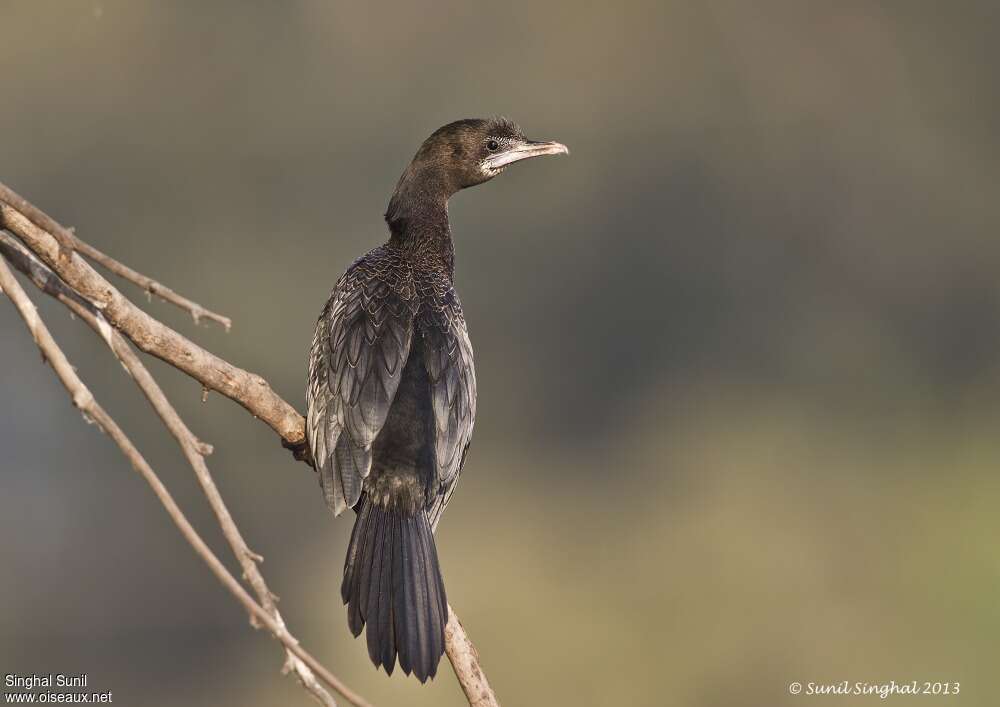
<point>392,395</point>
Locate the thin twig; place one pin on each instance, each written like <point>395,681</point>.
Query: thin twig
<point>150,285</point>
<point>193,448</point>
<point>85,402</point>
<point>70,242</point>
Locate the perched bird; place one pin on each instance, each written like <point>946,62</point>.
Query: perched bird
<point>392,395</point>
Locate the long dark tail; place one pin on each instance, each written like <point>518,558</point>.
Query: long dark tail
<point>393,583</point>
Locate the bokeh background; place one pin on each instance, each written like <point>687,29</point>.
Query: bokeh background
<point>738,355</point>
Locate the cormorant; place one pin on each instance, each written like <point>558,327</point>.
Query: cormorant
<point>392,395</point>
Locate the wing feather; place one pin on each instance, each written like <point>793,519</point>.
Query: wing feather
<point>448,359</point>
<point>360,346</point>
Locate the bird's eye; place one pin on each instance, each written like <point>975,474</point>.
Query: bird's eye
<point>492,145</point>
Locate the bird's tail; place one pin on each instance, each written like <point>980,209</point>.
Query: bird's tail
<point>393,583</point>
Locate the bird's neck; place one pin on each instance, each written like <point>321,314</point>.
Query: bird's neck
<point>418,220</point>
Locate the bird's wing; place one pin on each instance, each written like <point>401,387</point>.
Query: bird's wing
<point>448,359</point>
<point>360,347</point>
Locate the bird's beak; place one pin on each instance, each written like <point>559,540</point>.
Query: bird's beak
<point>525,150</point>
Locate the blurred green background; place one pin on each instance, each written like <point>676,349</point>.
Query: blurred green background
<point>738,355</point>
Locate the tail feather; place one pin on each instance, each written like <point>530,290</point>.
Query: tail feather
<point>358,575</point>
<point>412,624</point>
<point>392,584</point>
<point>380,634</point>
<point>437,603</point>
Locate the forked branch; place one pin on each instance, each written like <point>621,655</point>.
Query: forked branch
<point>51,256</point>
<point>84,400</point>
<point>194,449</point>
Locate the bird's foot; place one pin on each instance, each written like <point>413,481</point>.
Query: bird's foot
<point>300,450</point>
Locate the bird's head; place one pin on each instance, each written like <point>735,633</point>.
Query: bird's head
<point>475,150</point>
<point>459,155</point>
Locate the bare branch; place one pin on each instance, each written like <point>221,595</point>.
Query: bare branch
<point>248,389</point>
<point>155,338</point>
<point>193,448</point>
<point>39,273</point>
<point>85,402</point>
<point>465,660</point>
<point>63,235</point>
<point>70,242</point>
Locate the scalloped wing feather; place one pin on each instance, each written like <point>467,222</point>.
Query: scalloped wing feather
<point>359,349</point>
<point>448,358</point>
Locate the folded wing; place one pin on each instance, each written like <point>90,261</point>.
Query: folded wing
<point>358,353</point>
<point>448,359</point>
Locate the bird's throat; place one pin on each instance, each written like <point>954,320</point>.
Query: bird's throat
<point>418,222</point>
